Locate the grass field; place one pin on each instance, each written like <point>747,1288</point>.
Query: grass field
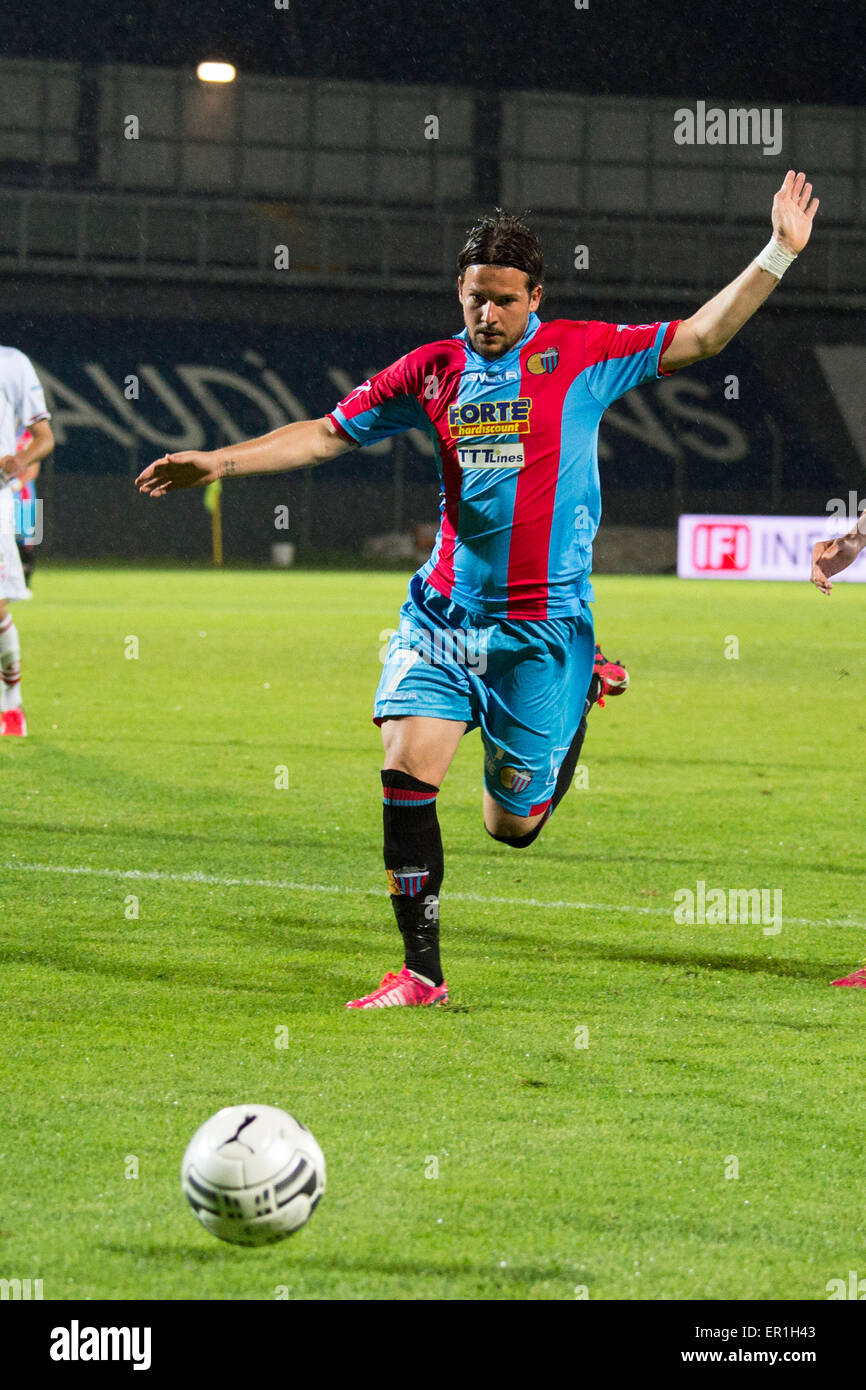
<point>711,1049</point>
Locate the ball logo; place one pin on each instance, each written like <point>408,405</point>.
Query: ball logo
<point>515,779</point>
<point>721,545</point>
<point>540,362</point>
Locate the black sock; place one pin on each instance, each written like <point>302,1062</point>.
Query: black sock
<point>415,865</point>
<point>568,766</point>
<point>28,560</point>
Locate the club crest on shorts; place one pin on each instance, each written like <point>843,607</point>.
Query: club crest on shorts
<point>540,362</point>
<point>515,779</point>
<point>409,882</point>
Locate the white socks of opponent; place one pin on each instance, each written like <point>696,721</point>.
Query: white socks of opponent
<point>10,666</point>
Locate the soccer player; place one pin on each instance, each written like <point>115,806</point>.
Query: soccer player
<point>828,559</point>
<point>22,406</point>
<point>496,631</point>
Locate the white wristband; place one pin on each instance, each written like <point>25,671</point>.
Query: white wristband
<point>774,259</point>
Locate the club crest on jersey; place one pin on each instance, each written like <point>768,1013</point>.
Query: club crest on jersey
<point>490,417</point>
<point>546,361</point>
<point>515,779</point>
<point>409,882</point>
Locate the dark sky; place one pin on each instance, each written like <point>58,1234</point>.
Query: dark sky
<point>742,49</point>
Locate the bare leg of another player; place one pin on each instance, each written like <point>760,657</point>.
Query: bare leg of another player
<point>829,558</point>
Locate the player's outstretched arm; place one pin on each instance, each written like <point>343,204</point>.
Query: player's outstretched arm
<point>291,446</point>
<point>716,322</point>
<point>829,557</point>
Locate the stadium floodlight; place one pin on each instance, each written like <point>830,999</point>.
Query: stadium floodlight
<point>213,71</point>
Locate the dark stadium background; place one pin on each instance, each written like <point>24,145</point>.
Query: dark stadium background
<point>107,269</point>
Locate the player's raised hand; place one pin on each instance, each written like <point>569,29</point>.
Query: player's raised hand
<point>794,211</point>
<point>174,471</point>
<point>829,557</point>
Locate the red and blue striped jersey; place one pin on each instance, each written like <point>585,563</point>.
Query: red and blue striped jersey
<point>517,447</point>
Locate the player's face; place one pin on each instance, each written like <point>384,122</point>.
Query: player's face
<point>496,307</point>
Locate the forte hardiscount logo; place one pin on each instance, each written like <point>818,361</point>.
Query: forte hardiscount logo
<point>490,417</point>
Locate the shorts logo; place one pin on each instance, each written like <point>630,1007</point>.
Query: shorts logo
<point>489,417</point>
<point>515,779</point>
<point>490,455</point>
<point>546,361</point>
<point>492,756</point>
<point>409,882</point>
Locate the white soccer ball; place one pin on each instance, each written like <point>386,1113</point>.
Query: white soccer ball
<point>252,1174</point>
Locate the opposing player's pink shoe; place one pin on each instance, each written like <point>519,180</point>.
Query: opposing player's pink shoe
<point>12,721</point>
<point>608,678</point>
<point>857,980</point>
<point>403,989</point>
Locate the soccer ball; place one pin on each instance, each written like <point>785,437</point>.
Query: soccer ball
<point>252,1174</point>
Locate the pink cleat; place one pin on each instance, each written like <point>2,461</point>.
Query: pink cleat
<point>402,989</point>
<point>608,678</point>
<point>12,721</point>
<point>858,979</point>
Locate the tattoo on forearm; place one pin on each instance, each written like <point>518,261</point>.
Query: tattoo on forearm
<point>228,468</point>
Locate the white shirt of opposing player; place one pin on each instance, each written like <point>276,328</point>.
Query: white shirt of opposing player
<point>22,403</point>
<point>22,400</point>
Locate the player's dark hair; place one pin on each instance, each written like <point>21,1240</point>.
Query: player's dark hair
<point>502,239</point>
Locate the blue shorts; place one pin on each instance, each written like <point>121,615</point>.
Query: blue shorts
<point>524,684</point>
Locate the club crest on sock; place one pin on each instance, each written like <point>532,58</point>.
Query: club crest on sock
<point>408,882</point>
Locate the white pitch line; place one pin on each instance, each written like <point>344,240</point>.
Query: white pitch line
<point>289,885</point>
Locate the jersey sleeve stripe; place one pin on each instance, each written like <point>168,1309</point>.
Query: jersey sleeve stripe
<point>666,342</point>
<point>341,428</point>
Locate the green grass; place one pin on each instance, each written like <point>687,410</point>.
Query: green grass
<point>559,1166</point>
